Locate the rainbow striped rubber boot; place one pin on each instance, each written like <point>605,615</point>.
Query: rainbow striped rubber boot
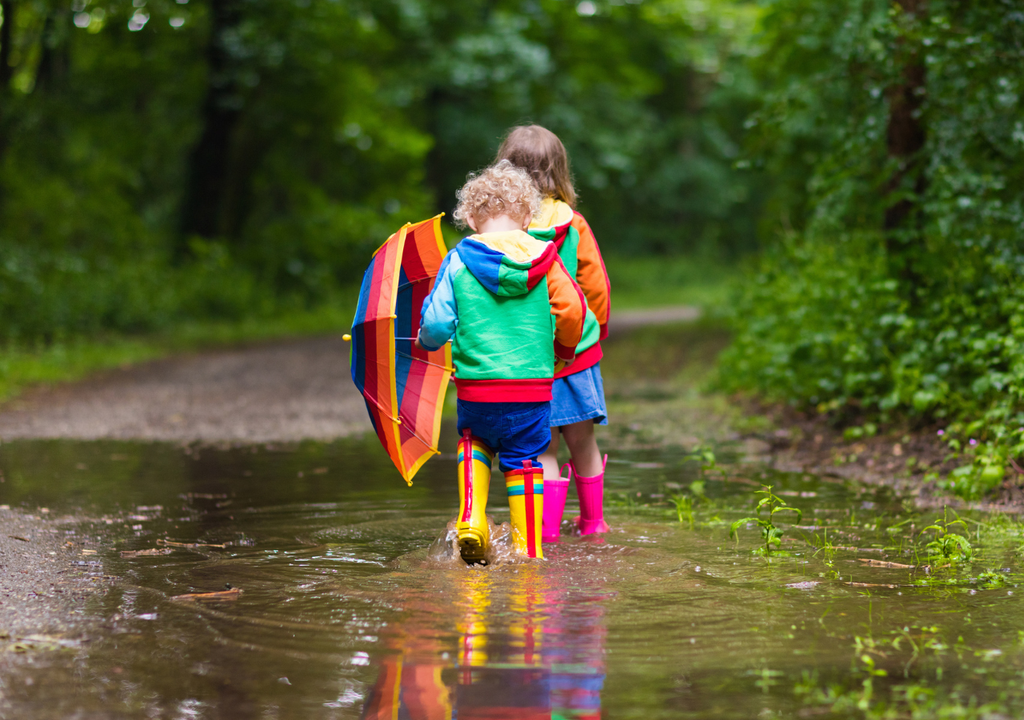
<point>526,501</point>
<point>475,460</point>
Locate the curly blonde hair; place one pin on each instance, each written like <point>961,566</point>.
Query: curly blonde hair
<point>501,189</point>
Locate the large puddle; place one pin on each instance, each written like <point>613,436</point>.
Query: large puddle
<point>333,603</point>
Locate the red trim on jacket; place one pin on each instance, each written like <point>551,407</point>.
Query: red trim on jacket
<point>530,390</point>
<point>585,360</point>
<point>563,352</point>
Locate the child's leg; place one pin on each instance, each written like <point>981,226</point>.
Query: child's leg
<point>478,423</point>
<point>556,488</point>
<point>582,444</point>
<point>589,472</point>
<point>475,460</point>
<point>527,435</point>
<point>525,487</point>
<point>549,458</point>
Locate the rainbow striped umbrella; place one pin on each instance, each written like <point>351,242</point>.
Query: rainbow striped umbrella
<point>403,386</point>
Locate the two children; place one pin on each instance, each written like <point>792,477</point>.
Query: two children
<point>526,343</point>
<point>510,308</point>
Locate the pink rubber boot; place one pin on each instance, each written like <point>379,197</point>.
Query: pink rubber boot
<point>591,494</point>
<point>555,492</point>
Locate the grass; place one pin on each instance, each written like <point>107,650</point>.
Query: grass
<point>68,360</point>
<point>645,282</point>
<point>636,282</point>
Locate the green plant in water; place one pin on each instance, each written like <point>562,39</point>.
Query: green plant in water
<point>684,508</point>
<point>948,546</point>
<point>684,504</point>
<point>766,679</point>
<point>827,549</point>
<point>708,463</point>
<point>771,534</point>
<point>868,685</point>
<point>624,500</point>
<point>993,580</point>
<point>828,553</point>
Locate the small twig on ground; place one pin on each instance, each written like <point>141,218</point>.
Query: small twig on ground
<point>171,543</point>
<point>231,594</point>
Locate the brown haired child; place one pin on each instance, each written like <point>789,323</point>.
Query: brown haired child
<point>578,392</point>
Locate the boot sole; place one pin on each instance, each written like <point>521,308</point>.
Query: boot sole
<point>472,547</point>
<point>472,551</point>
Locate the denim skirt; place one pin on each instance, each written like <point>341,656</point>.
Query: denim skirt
<point>579,397</point>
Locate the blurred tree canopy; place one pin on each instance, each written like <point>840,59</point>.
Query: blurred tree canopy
<point>170,159</point>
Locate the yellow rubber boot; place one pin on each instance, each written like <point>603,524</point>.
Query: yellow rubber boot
<point>526,501</point>
<point>475,460</point>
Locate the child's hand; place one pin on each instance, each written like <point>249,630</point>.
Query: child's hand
<point>561,365</point>
<point>416,343</point>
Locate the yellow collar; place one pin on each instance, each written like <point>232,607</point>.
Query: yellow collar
<point>552,213</point>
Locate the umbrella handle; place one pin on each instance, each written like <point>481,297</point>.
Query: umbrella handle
<point>346,337</point>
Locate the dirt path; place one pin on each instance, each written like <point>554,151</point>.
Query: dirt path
<point>287,391</point>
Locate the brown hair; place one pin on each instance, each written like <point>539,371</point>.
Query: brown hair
<point>501,189</point>
<point>539,152</point>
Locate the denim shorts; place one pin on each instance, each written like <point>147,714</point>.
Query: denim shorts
<point>579,397</point>
<point>516,431</point>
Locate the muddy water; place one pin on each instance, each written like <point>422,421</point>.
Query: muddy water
<point>337,599</point>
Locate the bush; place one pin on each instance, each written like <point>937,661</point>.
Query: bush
<point>924,320</point>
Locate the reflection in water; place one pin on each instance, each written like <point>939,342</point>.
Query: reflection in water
<point>525,649</point>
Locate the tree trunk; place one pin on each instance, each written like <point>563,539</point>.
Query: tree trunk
<point>905,139</point>
<point>203,208</point>
<point>54,53</point>
<point>6,39</point>
<point>6,75</point>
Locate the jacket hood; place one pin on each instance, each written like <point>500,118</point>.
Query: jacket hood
<point>552,221</point>
<point>507,263</point>
<point>553,213</point>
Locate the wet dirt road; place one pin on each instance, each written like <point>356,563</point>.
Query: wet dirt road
<point>277,392</point>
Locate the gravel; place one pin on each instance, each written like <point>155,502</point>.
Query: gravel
<point>286,391</point>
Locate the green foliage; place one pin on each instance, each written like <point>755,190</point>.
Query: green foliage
<point>684,503</point>
<point>705,456</point>
<point>849,312</point>
<point>648,97</point>
<point>901,676</point>
<point>948,546</point>
<point>770,533</point>
<point>338,121</point>
<point>828,552</point>
<point>684,508</point>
